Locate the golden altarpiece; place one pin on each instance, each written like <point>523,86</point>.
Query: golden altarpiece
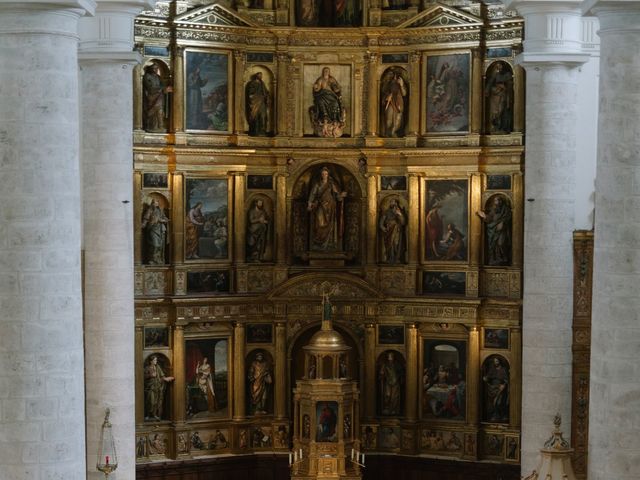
<point>285,148</point>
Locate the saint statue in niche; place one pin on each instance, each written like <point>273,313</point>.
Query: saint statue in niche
<point>327,224</point>
<point>391,379</point>
<point>327,114</point>
<point>154,228</point>
<point>155,386</point>
<point>260,381</point>
<point>393,93</point>
<point>258,102</point>
<point>499,94</point>
<point>258,222</point>
<point>497,220</point>
<point>392,226</point>
<point>154,99</point>
<point>496,398</point>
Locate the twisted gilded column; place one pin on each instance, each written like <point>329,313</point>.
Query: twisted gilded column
<point>615,373</point>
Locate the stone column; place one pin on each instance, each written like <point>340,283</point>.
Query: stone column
<point>106,106</point>
<point>615,339</point>
<point>552,53</point>
<point>41,351</point>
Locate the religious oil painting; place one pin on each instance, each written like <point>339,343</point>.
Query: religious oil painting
<point>391,334</point>
<point>259,333</point>
<point>154,180</point>
<point>497,338</point>
<point>444,283</point>
<point>207,91</point>
<point>261,437</point>
<point>512,448</point>
<point>312,13</point>
<point>259,383</point>
<point>156,337</point>
<point>208,281</point>
<point>390,373</point>
<point>448,90</point>
<point>447,220</point>
<point>206,223</point>
<point>444,386</point>
<point>260,182</point>
<point>327,420</point>
<point>393,182</point>
<point>389,437</point>
<point>207,377</point>
<point>498,182</point>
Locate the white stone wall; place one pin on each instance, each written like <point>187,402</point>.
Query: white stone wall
<point>614,421</point>
<point>41,352</point>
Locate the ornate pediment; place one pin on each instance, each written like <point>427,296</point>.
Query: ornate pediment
<point>440,16</point>
<point>214,15</point>
<point>343,287</point>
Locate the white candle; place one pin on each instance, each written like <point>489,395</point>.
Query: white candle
<point>300,454</point>
<point>295,456</point>
<point>289,458</point>
<point>363,458</point>
<point>352,454</point>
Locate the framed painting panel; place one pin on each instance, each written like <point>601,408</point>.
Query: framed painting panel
<point>393,182</point>
<point>207,80</point>
<point>156,337</point>
<point>391,334</point>
<point>444,392</point>
<point>444,283</point>
<point>499,182</point>
<point>260,182</point>
<point>327,420</point>
<point>447,220</point>
<point>259,333</point>
<point>496,338</point>
<point>512,448</point>
<point>389,437</point>
<point>208,281</point>
<point>155,180</point>
<point>448,92</point>
<point>207,441</point>
<point>207,221</point>
<point>207,377</point>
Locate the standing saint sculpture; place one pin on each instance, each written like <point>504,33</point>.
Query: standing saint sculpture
<point>155,385</point>
<point>327,114</point>
<point>153,99</point>
<point>393,94</point>
<point>499,94</point>
<point>497,222</point>
<point>260,381</point>
<point>392,227</point>
<point>258,102</point>
<point>154,227</point>
<point>326,221</point>
<point>258,221</point>
<point>391,378</point>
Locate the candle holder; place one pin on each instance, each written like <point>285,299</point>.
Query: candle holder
<point>107,458</point>
<point>295,459</point>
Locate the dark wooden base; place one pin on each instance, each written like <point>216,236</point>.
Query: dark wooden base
<point>275,467</point>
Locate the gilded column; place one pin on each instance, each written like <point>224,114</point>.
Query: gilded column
<point>177,218</point>
<point>414,105</point>
<point>178,90</point>
<point>239,224</point>
<point>475,224</point>
<point>282,94</point>
<point>281,219</point>
<point>517,215</point>
<point>281,371</point>
<point>179,386</point>
<point>137,94</point>
<point>476,91</point>
<point>238,373</point>
<point>137,220</point>
<point>373,88</point>
<point>369,370</point>
<point>515,386</point>
<point>372,223</point>
<point>238,119</point>
<point>411,399</point>
<point>413,230</point>
<point>139,374</point>
<point>519,98</point>
<point>472,378</point>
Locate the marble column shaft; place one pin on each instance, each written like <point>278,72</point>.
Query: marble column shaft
<point>41,350</point>
<point>614,417</point>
